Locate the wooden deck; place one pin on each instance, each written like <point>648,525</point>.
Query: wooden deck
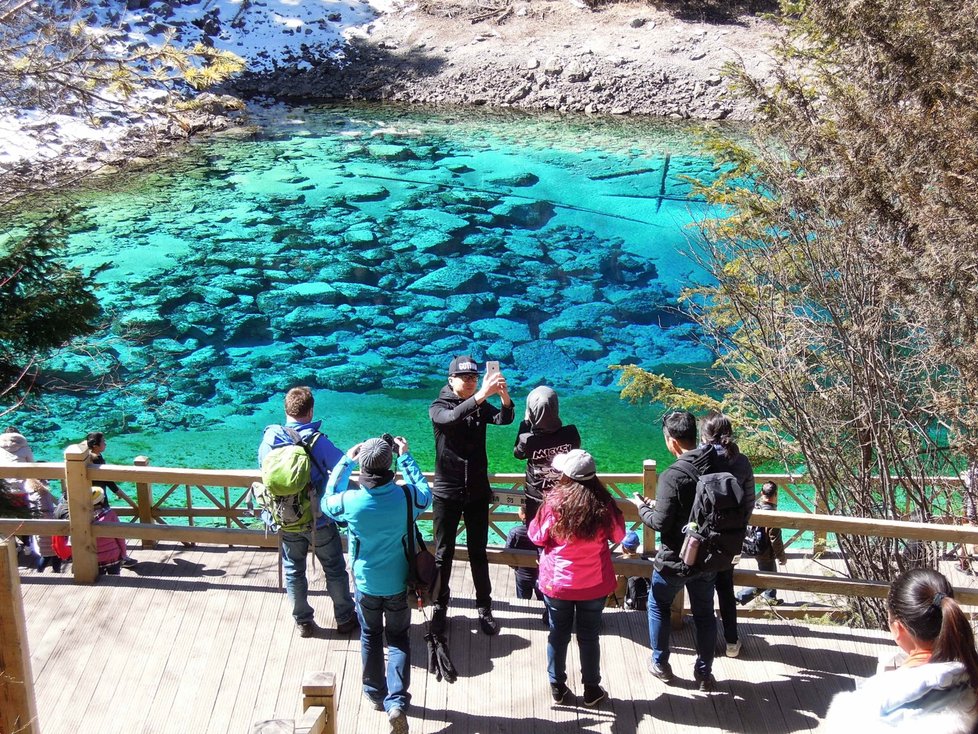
<point>200,639</point>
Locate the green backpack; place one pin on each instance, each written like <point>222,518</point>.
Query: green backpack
<point>286,494</point>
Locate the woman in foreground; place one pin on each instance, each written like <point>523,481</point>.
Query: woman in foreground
<point>930,686</point>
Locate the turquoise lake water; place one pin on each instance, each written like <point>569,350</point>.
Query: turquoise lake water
<point>356,250</point>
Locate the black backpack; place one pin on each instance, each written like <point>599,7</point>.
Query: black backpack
<point>717,521</point>
<point>637,593</point>
<point>756,541</point>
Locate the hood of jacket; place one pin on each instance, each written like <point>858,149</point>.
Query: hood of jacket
<point>17,447</point>
<point>704,458</point>
<point>542,410</point>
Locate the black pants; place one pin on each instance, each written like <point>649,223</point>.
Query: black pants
<point>727,604</point>
<point>447,514</point>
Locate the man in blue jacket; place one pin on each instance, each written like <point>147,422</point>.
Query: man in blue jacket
<point>299,404</point>
<point>377,520</point>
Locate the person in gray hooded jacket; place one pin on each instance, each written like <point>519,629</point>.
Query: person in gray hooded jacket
<point>541,437</point>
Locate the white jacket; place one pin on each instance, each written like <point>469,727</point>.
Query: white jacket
<point>934,698</point>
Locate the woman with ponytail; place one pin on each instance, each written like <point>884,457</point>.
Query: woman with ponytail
<point>578,519</point>
<point>717,430</point>
<point>931,685</point>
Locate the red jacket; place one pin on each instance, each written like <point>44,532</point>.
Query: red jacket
<point>575,569</point>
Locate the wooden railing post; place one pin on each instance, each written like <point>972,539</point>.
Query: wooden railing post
<point>18,707</point>
<point>649,483</point>
<point>820,537</point>
<point>318,689</point>
<point>84,556</point>
<point>144,499</point>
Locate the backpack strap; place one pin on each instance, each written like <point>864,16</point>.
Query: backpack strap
<point>688,468</point>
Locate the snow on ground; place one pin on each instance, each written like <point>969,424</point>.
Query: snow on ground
<point>266,33</point>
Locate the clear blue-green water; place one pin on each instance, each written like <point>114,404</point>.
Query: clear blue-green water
<point>356,250</point>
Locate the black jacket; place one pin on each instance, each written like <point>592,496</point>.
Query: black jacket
<point>461,464</point>
<point>539,449</point>
<point>673,502</point>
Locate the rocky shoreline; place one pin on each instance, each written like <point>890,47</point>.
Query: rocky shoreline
<point>625,59</point>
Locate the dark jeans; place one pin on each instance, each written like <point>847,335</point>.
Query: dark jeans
<point>701,587</point>
<point>389,685</point>
<point>584,617</point>
<point>767,565</point>
<point>446,517</point>
<point>728,604</point>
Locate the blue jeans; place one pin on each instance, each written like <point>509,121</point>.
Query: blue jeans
<point>588,623</point>
<point>391,687</point>
<point>329,551</point>
<point>663,590</point>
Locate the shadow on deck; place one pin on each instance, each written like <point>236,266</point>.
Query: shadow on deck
<point>201,640</point>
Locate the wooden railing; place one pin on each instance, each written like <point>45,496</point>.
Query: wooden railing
<point>224,491</point>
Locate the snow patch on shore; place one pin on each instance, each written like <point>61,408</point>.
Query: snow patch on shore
<point>266,33</point>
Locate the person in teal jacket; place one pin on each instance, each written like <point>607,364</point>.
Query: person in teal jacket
<point>376,517</point>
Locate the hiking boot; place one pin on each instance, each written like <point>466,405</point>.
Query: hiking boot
<point>487,622</point>
<point>705,681</point>
<point>439,618</point>
<point>349,626</point>
<point>733,649</point>
<point>662,671</point>
<point>593,695</point>
<point>398,721</point>
<point>374,703</point>
<point>559,692</point>
<point>307,629</point>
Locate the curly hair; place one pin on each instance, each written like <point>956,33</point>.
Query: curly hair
<point>581,509</point>
<point>299,402</point>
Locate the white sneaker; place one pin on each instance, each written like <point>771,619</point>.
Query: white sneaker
<point>733,649</point>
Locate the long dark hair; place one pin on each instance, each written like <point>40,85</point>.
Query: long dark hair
<point>582,508</point>
<point>923,601</point>
<point>718,430</point>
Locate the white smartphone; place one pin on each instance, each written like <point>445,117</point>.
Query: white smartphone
<point>492,368</point>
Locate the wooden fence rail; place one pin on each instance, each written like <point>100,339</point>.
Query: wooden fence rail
<point>149,517</point>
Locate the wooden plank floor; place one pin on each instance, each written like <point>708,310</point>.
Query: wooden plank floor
<point>201,640</point>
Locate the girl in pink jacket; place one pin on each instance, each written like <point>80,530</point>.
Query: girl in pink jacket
<point>573,527</point>
<point>111,551</point>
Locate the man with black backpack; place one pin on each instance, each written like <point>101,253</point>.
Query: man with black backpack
<point>701,513</point>
<point>296,449</point>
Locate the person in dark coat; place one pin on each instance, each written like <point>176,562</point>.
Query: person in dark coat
<point>459,416</point>
<point>773,549</point>
<point>669,515</point>
<point>717,431</point>
<point>541,437</point>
